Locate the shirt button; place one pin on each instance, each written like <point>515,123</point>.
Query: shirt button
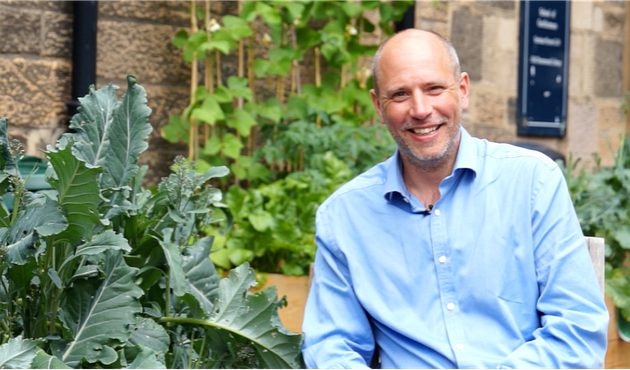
<point>437,212</point>
<point>450,306</point>
<point>442,259</point>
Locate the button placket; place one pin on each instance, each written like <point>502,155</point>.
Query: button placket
<point>446,280</point>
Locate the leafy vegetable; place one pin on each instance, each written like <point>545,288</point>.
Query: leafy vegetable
<point>98,271</point>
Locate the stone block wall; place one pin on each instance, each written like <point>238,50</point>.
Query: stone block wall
<point>35,70</point>
<point>486,34</point>
<point>133,37</point>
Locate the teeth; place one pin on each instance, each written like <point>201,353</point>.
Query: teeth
<point>424,131</point>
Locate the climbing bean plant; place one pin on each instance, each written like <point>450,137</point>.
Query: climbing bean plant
<point>602,201</point>
<point>292,118</point>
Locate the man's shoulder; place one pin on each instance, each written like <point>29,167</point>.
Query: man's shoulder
<point>510,154</point>
<point>367,184</point>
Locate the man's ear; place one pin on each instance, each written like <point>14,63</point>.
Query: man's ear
<point>464,89</point>
<point>376,101</point>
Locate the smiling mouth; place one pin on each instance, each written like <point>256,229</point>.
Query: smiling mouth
<point>425,131</point>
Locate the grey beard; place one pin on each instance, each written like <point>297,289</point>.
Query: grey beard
<point>424,163</point>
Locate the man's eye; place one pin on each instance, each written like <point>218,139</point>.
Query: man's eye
<point>436,90</point>
<point>399,95</point>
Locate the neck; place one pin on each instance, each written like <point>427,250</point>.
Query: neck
<point>424,185</point>
<point>424,181</point>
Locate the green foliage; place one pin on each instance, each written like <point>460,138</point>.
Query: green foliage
<point>272,127</point>
<point>602,201</point>
<point>98,271</point>
<point>274,223</point>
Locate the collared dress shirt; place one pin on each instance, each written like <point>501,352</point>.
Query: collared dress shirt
<point>496,275</point>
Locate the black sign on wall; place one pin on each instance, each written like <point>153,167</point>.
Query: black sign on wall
<point>543,68</point>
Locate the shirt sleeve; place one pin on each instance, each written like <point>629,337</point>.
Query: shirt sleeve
<point>572,310</point>
<point>337,332</point>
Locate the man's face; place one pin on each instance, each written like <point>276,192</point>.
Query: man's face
<point>420,99</point>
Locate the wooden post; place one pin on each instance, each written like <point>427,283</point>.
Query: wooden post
<point>626,65</point>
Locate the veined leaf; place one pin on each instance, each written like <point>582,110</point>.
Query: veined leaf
<point>242,121</point>
<point>107,240</point>
<point>146,359</point>
<point>213,146</point>
<point>18,353</point>
<point>174,260</point>
<point>151,335</point>
<point>128,134</point>
<point>239,87</point>
<point>232,146</point>
<point>238,27</point>
<point>210,111</point>
<point>201,276</point>
<point>91,125</point>
<point>78,192</point>
<point>45,361</point>
<point>213,173</point>
<point>254,317</point>
<point>19,252</point>
<point>40,215</point>
<point>222,46</point>
<point>98,315</point>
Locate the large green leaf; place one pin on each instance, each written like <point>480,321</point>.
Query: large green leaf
<point>146,359</point>
<point>201,276</point>
<point>45,361</point>
<point>129,133</point>
<point>78,193</point>
<point>91,125</point>
<point>18,353</point>
<point>177,277</point>
<point>40,215</point>
<point>107,240</point>
<point>253,319</point>
<point>112,135</point>
<point>151,335</point>
<point>99,315</point>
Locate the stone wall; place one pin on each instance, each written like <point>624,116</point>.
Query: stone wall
<point>134,37</point>
<point>35,69</point>
<point>486,34</point>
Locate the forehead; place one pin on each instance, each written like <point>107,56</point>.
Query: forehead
<point>417,56</point>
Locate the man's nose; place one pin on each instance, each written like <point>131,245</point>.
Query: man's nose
<point>421,106</point>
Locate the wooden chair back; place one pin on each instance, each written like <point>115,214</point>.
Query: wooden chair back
<point>597,249</point>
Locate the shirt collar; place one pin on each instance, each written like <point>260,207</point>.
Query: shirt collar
<point>467,159</point>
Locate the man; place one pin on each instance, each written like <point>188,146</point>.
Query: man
<point>455,252</point>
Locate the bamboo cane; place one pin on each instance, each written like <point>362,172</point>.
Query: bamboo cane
<point>192,130</point>
<point>208,130</point>
<point>318,78</point>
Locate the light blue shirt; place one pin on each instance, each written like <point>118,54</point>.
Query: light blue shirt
<point>497,275</point>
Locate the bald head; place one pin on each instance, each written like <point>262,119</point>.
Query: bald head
<point>414,38</point>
